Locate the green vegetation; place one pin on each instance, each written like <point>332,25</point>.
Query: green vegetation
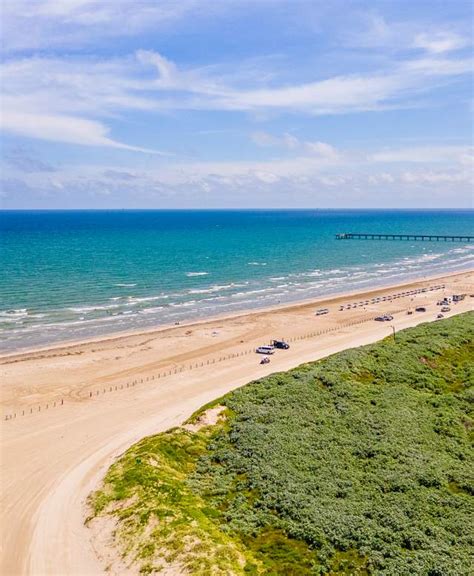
<point>361,463</point>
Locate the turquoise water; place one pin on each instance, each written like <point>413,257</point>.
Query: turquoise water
<point>74,274</point>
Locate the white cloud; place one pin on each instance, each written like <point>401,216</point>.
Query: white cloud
<point>372,30</point>
<point>440,42</point>
<point>424,154</point>
<point>287,140</point>
<point>264,139</point>
<point>66,129</point>
<point>322,149</point>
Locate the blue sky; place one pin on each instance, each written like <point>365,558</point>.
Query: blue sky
<point>263,103</point>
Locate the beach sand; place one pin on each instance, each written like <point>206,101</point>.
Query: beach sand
<point>68,411</point>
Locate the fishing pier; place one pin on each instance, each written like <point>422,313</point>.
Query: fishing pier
<point>415,237</point>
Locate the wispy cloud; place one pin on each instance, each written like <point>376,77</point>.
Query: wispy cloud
<point>371,29</point>
<point>45,24</point>
<point>61,128</point>
<point>321,150</point>
<point>440,42</point>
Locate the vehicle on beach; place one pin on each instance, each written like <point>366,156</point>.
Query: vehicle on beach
<point>322,311</point>
<point>265,350</point>
<point>409,312</point>
<point>265,360</point>
<point>281,344</point>
<point>384,318</point>
<point>445,309</point>
<point>458,297</point>
<point>420,309</point>
<point>341,308</point>
<point>439,316</point>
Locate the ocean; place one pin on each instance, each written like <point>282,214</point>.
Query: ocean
<point>69,275</point>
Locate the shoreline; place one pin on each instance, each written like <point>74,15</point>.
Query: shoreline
<point>119,335</point>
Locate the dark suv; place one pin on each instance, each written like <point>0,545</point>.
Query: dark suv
<point>281,344</point>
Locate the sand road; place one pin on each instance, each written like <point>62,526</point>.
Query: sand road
<point>51,461</point>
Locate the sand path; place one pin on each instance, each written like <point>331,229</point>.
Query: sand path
<point>50,461</point>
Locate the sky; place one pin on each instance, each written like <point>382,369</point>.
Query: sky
<point>236,104</point>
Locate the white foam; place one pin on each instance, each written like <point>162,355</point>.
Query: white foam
<point>125,285</point>
<point>216,288</point>
<point>81,309</point>
<point>151,310</point>
<point>191,274</point>
<point>132,300</point>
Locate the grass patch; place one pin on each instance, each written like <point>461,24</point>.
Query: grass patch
<point>358,464</point>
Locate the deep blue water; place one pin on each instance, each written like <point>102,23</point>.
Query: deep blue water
<point>73,274</point>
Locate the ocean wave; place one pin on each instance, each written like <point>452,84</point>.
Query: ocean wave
<point>137,300</point>
<point>125,285</point>
<point>216,288</point>
<point>86,309</point>
<point>421,259</point>
<point>152,310</point>
<point>256,263</point>
<point>183,304</point>
<point>192,274</point>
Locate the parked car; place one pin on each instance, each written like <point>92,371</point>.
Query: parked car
<point>281,344</point>
<point>322,311</point>
<point>409,311</point>
<point>440,316</point>
<point>420,309</point>
<point>445,309</point>
<point>265,350</point>
<point>379,319</point>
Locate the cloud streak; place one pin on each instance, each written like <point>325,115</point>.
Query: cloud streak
<point>68,129</point>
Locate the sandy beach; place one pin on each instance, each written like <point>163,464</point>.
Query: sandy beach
<point>69,410</point>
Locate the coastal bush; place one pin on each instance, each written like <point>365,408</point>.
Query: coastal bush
<point>361,463</point>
